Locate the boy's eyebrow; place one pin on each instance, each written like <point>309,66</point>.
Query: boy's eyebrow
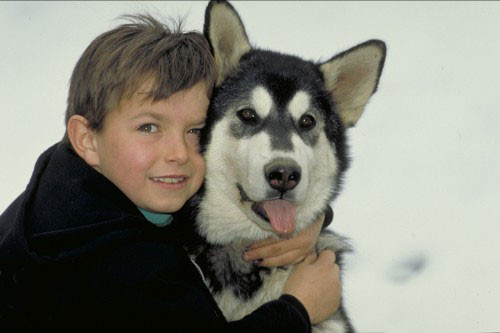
<point>158,116</point>
<point>200,122</point>
<point>155,115</point>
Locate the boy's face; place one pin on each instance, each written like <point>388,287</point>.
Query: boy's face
<point>150,150</point>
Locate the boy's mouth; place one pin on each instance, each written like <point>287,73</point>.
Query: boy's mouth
<point>169,180</point>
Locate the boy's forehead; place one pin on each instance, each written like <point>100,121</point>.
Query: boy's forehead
<point>138,101</point>
<point>147,90</point>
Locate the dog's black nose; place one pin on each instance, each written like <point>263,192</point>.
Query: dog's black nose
<point>283,174</point>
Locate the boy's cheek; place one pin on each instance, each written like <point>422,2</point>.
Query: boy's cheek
<point>200,170</point>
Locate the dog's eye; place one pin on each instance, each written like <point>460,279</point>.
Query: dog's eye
<point>247,116</point>
<point>307,122</point>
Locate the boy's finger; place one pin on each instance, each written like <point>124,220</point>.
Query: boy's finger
<point>285,259</point>
<point>273,250</point>
<point>327,255</point>
<point>310,258</point>
<point>265,242</point>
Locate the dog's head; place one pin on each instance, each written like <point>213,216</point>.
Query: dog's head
<point>275,144</point>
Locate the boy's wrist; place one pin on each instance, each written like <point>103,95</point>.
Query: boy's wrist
<point>290,299</point>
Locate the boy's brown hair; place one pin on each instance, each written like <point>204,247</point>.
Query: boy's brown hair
<point>119,61</point>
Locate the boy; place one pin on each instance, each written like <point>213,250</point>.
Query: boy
<point>89,243</point>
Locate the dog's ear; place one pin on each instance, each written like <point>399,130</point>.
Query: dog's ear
<point>351,77</point>
<point>227,37</point>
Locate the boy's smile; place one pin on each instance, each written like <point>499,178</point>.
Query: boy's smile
<point>150,150</point>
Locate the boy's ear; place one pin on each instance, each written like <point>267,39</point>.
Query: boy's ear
<point>352,77</point>
<point>82,138</point>
<point>227,37</point>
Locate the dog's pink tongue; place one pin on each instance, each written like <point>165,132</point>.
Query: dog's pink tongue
<point>281,214</point>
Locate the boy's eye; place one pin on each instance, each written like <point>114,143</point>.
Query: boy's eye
<point>149,128</point>
<point>196,131</point>
<point>196,137</point>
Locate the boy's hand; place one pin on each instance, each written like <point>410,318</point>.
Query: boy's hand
<point>272,252</point>
<point>315,282</point>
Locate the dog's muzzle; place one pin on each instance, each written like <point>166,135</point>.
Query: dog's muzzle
<point>279,213</point>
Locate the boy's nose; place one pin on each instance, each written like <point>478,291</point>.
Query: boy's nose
<point>176,151</point>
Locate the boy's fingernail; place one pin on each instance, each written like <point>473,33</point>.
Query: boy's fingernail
<point>246,257</point>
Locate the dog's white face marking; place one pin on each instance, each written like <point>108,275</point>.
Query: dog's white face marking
<point>262,101</point>
<point>254,153</point>
<point>299,104</point>
<point>251,156</point>
<point>233,162</point>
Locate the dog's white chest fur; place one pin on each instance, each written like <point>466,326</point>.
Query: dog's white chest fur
<point>235,308</point>
<point>229,298</point>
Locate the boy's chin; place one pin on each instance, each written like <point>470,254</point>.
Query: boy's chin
<point>171,207</point>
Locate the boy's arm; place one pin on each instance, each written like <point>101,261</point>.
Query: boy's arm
<point>143,288</point>
<point>271,252</point>
<point>286,314</point>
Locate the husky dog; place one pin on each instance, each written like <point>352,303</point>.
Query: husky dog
<point>275,149</point>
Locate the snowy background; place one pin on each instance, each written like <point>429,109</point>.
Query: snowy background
<point>421,201</point>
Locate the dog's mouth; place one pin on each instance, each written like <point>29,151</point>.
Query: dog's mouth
<point>279,213</point>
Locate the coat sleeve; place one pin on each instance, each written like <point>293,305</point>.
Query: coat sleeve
<point>151,285</point>
<point>286,314</point>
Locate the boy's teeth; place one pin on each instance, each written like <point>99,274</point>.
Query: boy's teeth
<point>169,180</point>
